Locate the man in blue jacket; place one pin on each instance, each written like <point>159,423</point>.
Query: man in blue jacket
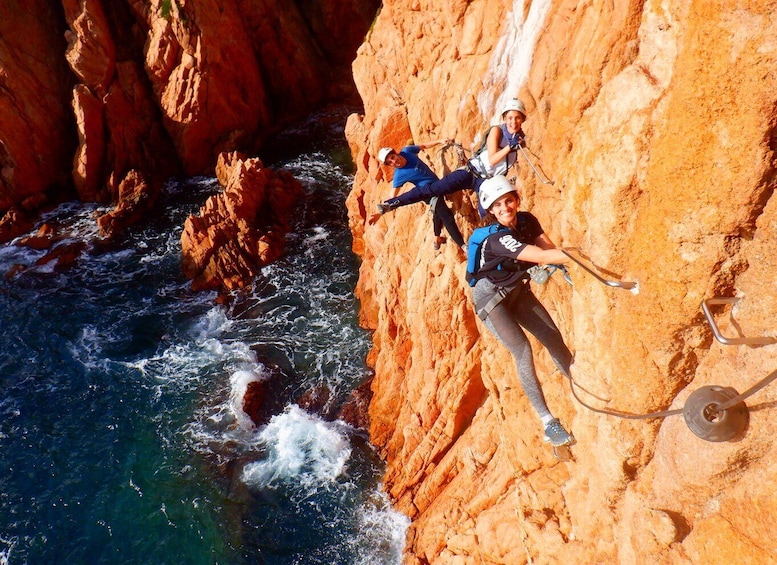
<point>409,168</point>
<point>427,187</point>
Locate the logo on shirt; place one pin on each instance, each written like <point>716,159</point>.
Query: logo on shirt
<point>509,243</point>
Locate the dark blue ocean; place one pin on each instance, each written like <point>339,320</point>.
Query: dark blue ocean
<point>121,434</point>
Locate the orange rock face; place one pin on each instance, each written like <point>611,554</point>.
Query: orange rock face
<point>37,137</point>
<point>93,90</point>
<point>241,229</point>
<point>656,121</point>
<point>116,115</point>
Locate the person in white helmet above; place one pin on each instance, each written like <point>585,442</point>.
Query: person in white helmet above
<point>502,142</point>
<point>512,243</point>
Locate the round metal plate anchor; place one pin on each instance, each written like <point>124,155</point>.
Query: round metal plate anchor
<point>707,422</point>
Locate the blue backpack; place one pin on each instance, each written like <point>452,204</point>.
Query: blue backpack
<point>474,270</point>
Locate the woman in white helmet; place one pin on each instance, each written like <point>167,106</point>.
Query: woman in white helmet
<point>503,299</point>
<point>502,142</point>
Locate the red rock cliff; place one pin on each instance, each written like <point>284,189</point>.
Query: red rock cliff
<point>101,94</point>
<point>657,122</point>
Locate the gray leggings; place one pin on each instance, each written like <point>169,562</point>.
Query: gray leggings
<point>521,308</point>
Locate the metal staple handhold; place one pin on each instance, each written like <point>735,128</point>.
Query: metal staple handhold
<point>633,286</point>
<point>705,306</point>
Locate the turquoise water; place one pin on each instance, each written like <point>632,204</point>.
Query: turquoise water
<point>121,436</point>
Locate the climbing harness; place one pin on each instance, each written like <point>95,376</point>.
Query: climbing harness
<point>541,273</point>
<point>464,160</point>
<point>484,309</point>
<point>712,413</point>
<point>538,274</point>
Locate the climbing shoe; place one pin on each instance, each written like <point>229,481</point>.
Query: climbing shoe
<point>556,435</point>
<point>438,241</point>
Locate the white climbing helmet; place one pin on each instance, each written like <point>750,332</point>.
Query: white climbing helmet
<point>516,105</point>
<point>383,153</point>
<point>492,189</point>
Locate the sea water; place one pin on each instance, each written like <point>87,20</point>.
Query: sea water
<point>122,438</point>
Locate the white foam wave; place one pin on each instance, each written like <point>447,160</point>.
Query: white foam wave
<point>299,449</point>
<point>171,248</point>
<point>381,531</point>
<point>76,219</point>
<point>87,349</point>
<point>315,169</point>
<point>26,257</point>
<point>16,255</point>
<point>212,325</point>
<point>5,552</point>
<point>320,234</point>
<point>180,362</point>
<point>189,362</point>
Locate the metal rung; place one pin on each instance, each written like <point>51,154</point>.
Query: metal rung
<point>543,178</point>
<point>626,285</point>
<point>763,340</point>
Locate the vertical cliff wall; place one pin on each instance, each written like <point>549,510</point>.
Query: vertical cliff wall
<point>37,138</point>
<point>656,120</point>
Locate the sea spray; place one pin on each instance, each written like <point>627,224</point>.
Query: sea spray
<point>6,549</point>
<point>381,531</point>
<point>300,450</point>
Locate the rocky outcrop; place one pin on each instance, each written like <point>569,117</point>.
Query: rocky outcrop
<point>135,199</point>
<point>96,93</point>
<point>116,115</point>
<point>241,229</point>
<point>656,121</point>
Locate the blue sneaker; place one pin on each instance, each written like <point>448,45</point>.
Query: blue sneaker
<point>556,435</point>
